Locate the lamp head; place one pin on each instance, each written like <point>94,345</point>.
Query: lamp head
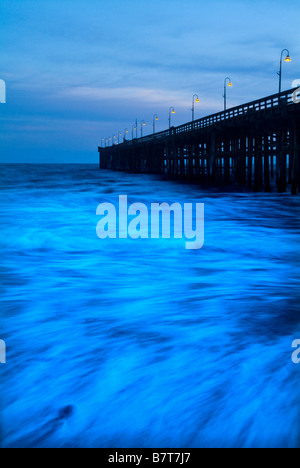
<point>288,59</point>
<point>197,100</point>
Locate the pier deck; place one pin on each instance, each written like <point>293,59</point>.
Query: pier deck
<point>255,144</point>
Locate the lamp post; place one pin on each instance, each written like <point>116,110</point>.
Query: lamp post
<point>171,111</point>
<point>287,59</point>
<point>155,119</point>
<point>125,133</point>
<point>133,129</point>
<point>119,135</point>
<point>225,90</point>
<point>142,125</point>
<point>102,140</point>
<point>193,106</point>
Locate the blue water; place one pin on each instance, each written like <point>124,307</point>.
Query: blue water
<point>141,343</point>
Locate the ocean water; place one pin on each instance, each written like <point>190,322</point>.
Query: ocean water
<point>142,343</point>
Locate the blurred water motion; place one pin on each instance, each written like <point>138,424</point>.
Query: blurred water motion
<point>141,343</point>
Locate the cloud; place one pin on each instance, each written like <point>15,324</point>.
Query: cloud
<point>109,62</point>
<point>145,95</point>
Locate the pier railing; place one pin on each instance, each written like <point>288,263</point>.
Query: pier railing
<point>275,101</point>
<point>257,143</point>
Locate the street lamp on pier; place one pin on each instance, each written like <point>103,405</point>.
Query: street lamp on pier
<point>287,59</point>
<point>125,133</point>
<point>195,99</point>
<point>171,111</point>
<point>133,130</point>
<point>143,123</point>
<point>155,119</point>
<point>225,90</point>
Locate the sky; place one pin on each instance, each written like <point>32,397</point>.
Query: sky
<point>77,71</point>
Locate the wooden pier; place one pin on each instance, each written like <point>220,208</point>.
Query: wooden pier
<point>256,144</point>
